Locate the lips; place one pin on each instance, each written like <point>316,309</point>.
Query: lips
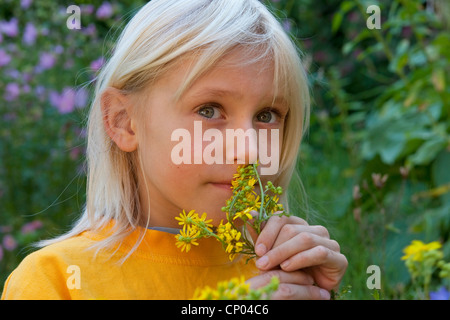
<point>222,184</point>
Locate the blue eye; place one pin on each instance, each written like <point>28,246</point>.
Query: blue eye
<point>209,112</point>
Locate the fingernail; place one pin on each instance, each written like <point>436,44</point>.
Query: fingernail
<point>262,262</point>
<point>260,249</point>
<point>284,264</point>
<point>324,294</point>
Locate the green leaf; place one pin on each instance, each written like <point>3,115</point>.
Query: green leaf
<point>394,135</point>
<point>337,21</point>
<point>428,151</point>
<point>339,16</point>
<point>349,46</point>
<point>440,172</point>
<point>388,146</point>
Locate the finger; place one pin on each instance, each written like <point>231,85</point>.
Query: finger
<point>289,231</point>
<point>284,254</point>
<point>293,285</point>
<point>326,266</point>
<point>317,256</point>
<point>271,230</point>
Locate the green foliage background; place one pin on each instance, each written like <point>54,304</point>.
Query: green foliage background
<point>375,164</point>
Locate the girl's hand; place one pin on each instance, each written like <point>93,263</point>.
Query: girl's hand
<point>295,285</point>
<point>291,244</point>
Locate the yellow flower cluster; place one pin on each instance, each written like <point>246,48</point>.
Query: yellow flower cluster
<point>424,260</point>
<point>416,250</point>
<point>244,200</point>
<point>194,228</point>
<point>226,290</point>
<point>236,289</point>
<point>231,238</point>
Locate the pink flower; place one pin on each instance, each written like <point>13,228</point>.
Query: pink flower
<point>46,61</point>
<point>104,11</point>
<point>30,34</point>
<point>10,28</point>
<point>75,153</point>
<point>13,73</point>
<point>54,98</point>
<point>81,98</point>
<point>40,92</point>
<point>287,25</point>
<point>90,30</point>
<point>9,243</point>
<point>4,58</point>
<point>97,64</point>
<point>58,49</point>
<point>12,91</point>
<point>87,9</point>
<point>25,4</point>
<point>31,226</point>
<point>64,102</point>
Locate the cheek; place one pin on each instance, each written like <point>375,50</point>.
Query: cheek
<point>160,169</point>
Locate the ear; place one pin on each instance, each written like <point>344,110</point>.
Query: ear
<point>117,120</point>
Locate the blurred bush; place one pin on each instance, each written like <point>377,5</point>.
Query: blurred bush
<point>46,72</point>
<point>375,162</point>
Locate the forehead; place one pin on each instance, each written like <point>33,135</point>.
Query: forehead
<point>235,71</point>
<point>230,76</point>
<point>238,72</point>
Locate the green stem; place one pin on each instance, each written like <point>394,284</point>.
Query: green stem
<point>262,193</point>
<point>208,233</point>
<point>379,37</point>
<point>236,196</point>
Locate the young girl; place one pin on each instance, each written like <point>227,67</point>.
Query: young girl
<point>224,65</point>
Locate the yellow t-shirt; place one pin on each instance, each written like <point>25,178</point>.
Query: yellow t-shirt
<point>156,270</point>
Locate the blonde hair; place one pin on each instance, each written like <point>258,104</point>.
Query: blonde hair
<point>162,32</point>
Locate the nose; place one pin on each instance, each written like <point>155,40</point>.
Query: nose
<point>241,143</point>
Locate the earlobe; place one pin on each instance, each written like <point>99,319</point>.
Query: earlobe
<point>117,120</point>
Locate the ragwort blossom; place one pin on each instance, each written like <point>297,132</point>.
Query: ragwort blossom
<point>423,262</point>
<point>417,249</point>
<point>233,234</point>
<point>237,289</point>
<point>194,228</point>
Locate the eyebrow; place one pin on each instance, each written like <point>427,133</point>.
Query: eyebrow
<point>279,100</point>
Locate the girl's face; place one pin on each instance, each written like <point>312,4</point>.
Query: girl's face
<point>230,96</point>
